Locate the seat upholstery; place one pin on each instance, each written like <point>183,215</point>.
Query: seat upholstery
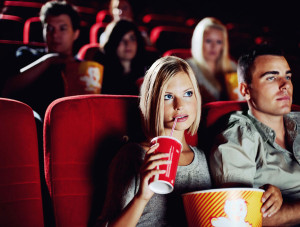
<point>11,27</point>
<point>181,53</point>
<point>152,20</point>
<point>81,135</point>
<point>103,16</point>
<point>171,37</point>
<point>23,9</point>
<point>88,51</point>
<point>214,117</point>
<point>33,31</point>
<point>95,32</point>
<point>20,186</point>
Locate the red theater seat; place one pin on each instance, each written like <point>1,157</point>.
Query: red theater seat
<point>95,31</point>
<point>20,186</point>
<point>171,37</point>
<point>81,136</point>
<point>103,16</point>
<point>214,118</point>
<point>23,9</point>
<point>181,53</point>
<point>11,27</point>
<point>33,30</point>
<point>152,20</point>
<point>87,51</point>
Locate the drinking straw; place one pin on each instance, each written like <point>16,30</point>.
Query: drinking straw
<point>174,124</point>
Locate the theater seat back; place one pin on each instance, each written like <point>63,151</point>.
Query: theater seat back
<point>20,186</point>
<point>214,118</point>
<point>81,135</point>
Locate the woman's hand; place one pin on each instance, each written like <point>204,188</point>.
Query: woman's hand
<point>272,200</point>
<point>148,169</point>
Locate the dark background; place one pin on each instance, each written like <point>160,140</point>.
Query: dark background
<point>273,21</point>
<point>248,22</point>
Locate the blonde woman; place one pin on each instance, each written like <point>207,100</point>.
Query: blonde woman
<point>210,59</point>
<point>169,90</point>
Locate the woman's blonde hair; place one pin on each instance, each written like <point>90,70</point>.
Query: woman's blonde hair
<point>153,90</point>
<point>224,63</point>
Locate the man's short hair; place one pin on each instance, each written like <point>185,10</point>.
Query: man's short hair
<point>57,8</point>
<point>246,60</point>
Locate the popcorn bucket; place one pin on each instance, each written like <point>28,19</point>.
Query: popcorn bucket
<point>231,81</point>
<point>234,207</point>
<point>83,78</point>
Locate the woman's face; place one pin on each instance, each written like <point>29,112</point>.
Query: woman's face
<point>127,48</point>
<point>213,42</point>
<point>179,102</point>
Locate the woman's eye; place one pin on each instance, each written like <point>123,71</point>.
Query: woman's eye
<point>288,77</point>
<point>188,94</point>
<point>168,96</point>
<point>207,41</point>
<point>133,38</point>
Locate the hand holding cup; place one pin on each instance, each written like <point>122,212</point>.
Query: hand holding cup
<point>149,169</point>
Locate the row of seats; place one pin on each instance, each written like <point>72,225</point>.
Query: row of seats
<point>32,32</point>
<point>160,28</point>
<point>241,35</point>
<point>27,8</point>
<point>165,31</point>
<point>81,134</point>
<point>162,37</point>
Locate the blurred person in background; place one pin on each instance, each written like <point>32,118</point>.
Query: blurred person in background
<point>210,59</point>
<point>38,79</point>
<point>118,10</point>
<point>125,59</point>
<point>122,10</point>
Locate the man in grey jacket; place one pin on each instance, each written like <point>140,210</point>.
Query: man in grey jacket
<point>262,145</point>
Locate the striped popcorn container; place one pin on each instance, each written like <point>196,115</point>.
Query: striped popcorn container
<point>234,207</point>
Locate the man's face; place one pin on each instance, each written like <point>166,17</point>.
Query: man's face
<point>59,34</point>
<point>271,90</point>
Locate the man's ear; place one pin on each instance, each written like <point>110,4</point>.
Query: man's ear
<point>76,34</point>
<point>244,90</point>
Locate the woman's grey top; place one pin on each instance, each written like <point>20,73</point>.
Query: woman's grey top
<point>161,210</point>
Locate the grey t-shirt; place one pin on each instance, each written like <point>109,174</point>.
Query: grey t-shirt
<point>161,210</point>
<point>246,153</point>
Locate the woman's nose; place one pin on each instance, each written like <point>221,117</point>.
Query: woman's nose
<point>178,104</point>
